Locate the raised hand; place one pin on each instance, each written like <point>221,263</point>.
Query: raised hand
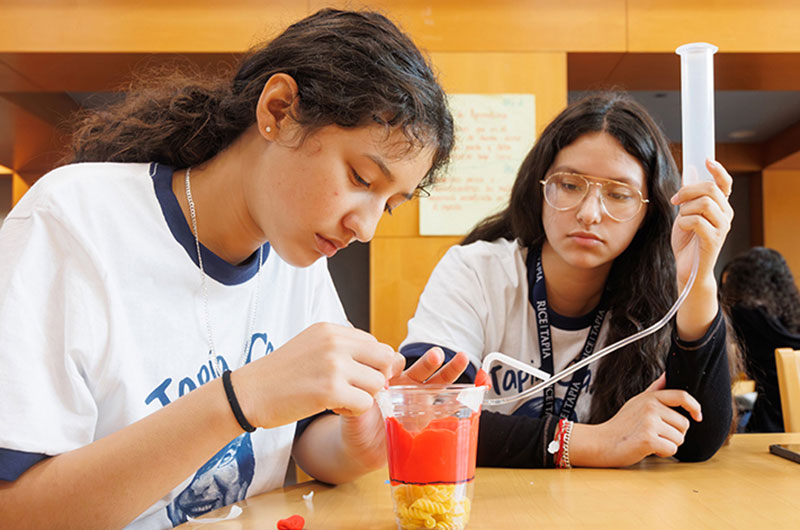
<point>704,211</point>
<point>706,216</point>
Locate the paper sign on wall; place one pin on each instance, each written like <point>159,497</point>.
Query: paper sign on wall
<point>493,135</point>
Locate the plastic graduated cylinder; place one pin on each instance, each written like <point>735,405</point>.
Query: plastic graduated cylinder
<point>697,109</point>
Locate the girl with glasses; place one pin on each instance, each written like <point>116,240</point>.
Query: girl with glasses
<point>595,245</point>
<point>165,314</point>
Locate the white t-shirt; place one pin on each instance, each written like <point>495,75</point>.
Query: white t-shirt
<point>477,301</point>
<point>102,323</point>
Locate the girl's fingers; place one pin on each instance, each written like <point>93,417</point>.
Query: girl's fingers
<point>365,378</point>
<point>426,365</point>
<point>675,420</point>
<point>700,190</point>
<point>701,226</point>
<point>451,371</point>
<point>375,355</point>
<point>658,384</point>
<point>721,177</point>
<point>667,443</point>
<point>709,210</point>
<point>398,365</point>
<point>719,190</point>
<point>681,398</point>
<point>353,402</point>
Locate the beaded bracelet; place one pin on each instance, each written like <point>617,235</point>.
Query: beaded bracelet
<point>564,462</point>
<point>554,447</point>
<point>559,447</point>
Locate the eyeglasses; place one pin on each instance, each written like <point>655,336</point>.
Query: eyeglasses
<point>620,201</point>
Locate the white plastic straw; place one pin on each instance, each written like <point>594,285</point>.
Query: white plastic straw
<point>510,361</point>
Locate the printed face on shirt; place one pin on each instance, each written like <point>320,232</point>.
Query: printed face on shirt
<point>331,190</point>
<point>221,481</point>
<point>585,236</point>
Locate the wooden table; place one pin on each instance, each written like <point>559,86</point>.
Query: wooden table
<point>742,486</point>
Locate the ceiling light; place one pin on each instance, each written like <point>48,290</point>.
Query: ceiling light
<point>741,134</point>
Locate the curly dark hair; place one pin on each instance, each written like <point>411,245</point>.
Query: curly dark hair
<point>642,282</point>
<point>760,277</point>
<point>352,69</point>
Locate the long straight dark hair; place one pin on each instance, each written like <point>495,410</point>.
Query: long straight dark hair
<point>352,69</point>
<point>642,283</point>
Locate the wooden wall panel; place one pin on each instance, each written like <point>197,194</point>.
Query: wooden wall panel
<point>542,74</point>
<point>399,270</point>
<point>781,193</point>
<point>736,157</point>
<point>27,142</point>
<point>661,71</point>
<point>733,25</point>
<point>97,72</point>
<point>18,188</point>
<point>505,25</point>
<point>125,26</point>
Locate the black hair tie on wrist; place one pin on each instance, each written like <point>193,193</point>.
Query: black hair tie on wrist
<point>234,403</point>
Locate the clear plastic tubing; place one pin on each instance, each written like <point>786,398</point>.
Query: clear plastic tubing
<point>697,120</point>
<point>697,109</point>
<point>595,356</point>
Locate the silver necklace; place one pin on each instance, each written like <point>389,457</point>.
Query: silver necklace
<point>214,361</point>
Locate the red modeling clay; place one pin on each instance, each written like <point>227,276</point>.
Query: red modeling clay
<point>436,453</point>
<point>294,522</point>
<point>482,379</point>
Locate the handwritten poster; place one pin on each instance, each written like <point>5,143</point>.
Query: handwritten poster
<point>493,135</point>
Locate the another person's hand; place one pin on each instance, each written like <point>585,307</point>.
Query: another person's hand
<point>644,426</point>
<point>428,369</point>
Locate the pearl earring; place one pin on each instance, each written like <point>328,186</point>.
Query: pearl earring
<point>268,129</point>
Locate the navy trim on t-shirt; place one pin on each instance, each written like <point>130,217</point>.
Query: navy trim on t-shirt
<point>415,350</point>
<point>15,463</point>
<point>216,267</point>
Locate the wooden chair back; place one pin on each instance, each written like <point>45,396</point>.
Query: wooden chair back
<point>787,362</point>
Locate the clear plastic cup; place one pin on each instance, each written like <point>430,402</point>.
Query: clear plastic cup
<point>431,443</point>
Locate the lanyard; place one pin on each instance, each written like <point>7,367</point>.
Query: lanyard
<point>538,299</point>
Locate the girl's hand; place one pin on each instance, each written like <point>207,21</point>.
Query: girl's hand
<point>326,366</point>
<point>645,425</point>
<point>704,211</point>
<point>364,435</point>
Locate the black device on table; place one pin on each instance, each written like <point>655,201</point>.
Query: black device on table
<point>789,451</point>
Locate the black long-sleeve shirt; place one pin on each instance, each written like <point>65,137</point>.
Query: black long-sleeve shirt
<point>760,334</point>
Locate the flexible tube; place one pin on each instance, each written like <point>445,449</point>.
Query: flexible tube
<point>597,355</point>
